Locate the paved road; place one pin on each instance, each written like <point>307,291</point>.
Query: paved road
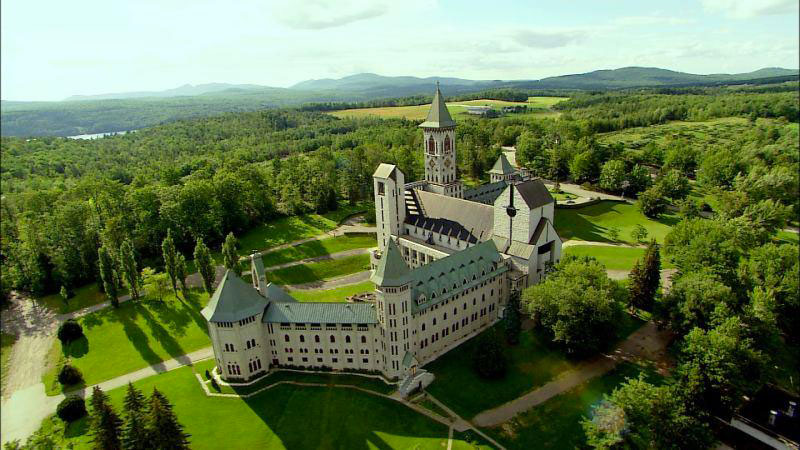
<point>645,343</point>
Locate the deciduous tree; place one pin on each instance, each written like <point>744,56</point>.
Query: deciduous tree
<point>205,265</point>
<point>230,256</point>
<point>129,269</point>
<point>169,252</point>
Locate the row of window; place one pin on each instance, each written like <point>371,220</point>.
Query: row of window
<point>247,320</point>
<point>333,360</point>
<point>287,338</point>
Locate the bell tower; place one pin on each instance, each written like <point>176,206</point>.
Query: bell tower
<point>439,133</point>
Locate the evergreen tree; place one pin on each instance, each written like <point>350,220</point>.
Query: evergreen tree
<point>170,259</point>
<point>129,270</point>
<point>652,269</point>
<point>134,400</point>
<point>205,264</point>
<point>180,272</point>
<point>230,256</point>
<point>164,430</point>
<point>106,265</point>
<point>105,423</point>
<point>637,288</point>
<point>513,322</point>
<point>134,431</point>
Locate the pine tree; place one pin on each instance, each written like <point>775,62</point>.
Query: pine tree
<point>637,288</point>
<point>106,265</point>
<point>180,272</point>
<point>205,265</point>
<point>230,256</point>
<point>134,400</point>
<point>129,269</point>
<point>170,259</point>
<point>134,431</point>
<point>652,269</point>
<point>164,430</point>
<point>513,322</point>
<point>105,423</point>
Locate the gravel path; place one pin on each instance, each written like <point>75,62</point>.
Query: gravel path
<point>645,343</point>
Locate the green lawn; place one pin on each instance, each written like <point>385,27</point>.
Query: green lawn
<point>591,223</point>
<point>562,196</point>
<point>557,422</point>
<point>319,248</point>
<point>284,417</point>
<point>323,270</point>
<point>6,343</point>
<point>135,335</point>
<point>614,258</point>
<point>339,294</point>
<point>787,237</point>
<point>87,295</point>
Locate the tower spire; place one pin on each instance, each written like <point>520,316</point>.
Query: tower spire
<point>438,116</point>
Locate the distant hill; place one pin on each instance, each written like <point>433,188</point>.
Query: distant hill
<point>371,85</point>
<point>185,90</point>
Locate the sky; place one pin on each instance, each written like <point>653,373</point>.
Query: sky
<point>51,49</point>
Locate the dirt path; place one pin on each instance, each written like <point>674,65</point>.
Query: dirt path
<point>354,278</point>
<point>647,343</point>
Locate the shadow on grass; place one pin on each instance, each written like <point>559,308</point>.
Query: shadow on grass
<point>76,348</point>
<point>77,428</point>
<point>572,225</point>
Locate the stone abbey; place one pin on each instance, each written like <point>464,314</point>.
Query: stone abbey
<point>448,259</point>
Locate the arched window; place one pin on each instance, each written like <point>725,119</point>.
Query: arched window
<point>302,338</point>
<point>286,337</point>
<point>363,339</point>
<point>333,339</point>
<point>431,145</point>
<point>316,339</point>
<point>347,339</point>
<point>447,144</point>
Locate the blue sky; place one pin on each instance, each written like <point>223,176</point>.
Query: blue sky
<point>53,49</point>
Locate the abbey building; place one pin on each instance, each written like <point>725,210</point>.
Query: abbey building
<point>448,259</point>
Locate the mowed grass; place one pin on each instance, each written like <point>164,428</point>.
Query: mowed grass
<point>592,223</point>
<point>283,417</point>
<point>788,237</point>
<point>319,248</point>
<point>419,112</point>
<point>6,344</point>
<point>556,424</point>
<point>136,335</point>
<point>85,296</point>
<point>317,271</point>
<point>339,294</point>
<point>614,258</point>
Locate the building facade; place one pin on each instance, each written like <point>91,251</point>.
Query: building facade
<point>446,263</point>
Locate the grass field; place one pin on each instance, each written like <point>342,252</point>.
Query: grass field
<point>318,248</point>
<point>87,295</point>
<point>281,417</point>
<point>591,223</point>
<point>614,258</point>
<point>323,270</point>
<point>135,335</point>
<point>6,343</point>
<point>556,424</point>
<point>787,237</point>
<point>339,294</point>
<point>419,112</point>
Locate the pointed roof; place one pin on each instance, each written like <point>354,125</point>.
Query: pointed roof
<point>502,166</point>
<point>535,193</point>
<point>392,269</point>
<point>233,300</point>
<point>438,116</point>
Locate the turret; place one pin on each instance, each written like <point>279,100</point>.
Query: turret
<point>390,208</point>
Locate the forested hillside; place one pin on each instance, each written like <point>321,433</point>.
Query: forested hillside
<point>62,198</point>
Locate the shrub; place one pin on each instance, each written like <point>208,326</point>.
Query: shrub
<point>69,375</point>
<point>70,331</point>
<point>71,408</point>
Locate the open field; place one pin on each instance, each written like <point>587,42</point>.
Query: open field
<point>591,223</point>
<point>419,112</point>
<point>318,248</point>
<point>556,424</point>
<point>531,364</point>
<point>135,335</point>
<point>281,417</point>
<point>614,258</point>
<point>323,270</point>
<point>339,294</point>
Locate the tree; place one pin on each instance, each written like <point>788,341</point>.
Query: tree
<point>205,265</point>
<point>105,264</point>
<point>169,252</point>
<point>488,358</point>
<point>583,167</point>
<point>688,208</point>
<point>639,233</point>
<point>230,257</point>
<point>134,399</point>
<point>129,269</point>
<point>775,270</point>
<point>69,331</point>
<point>651,202</point>
<point>134,431</point>
<point>638,179</point>
<point>157,284</point>
<point>674,185</point>
<point>613,175</point>
<point>180,272</point>
<point>697,299</point>
<point>69,375</point>
<point>641,415</point>
<point>637,292</point>
<point>613,234</point>
<point>71,408</point>
<point>164,430</point>
<point>513,322</point>
<point>576,304</point>
<point>698,244</point>
<point>105,423</point>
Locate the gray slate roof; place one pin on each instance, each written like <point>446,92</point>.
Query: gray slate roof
<point>438,116</point>
<point>276,293</point>
<point>502,166</point>
<point>306,312</point>
<point>392,269</point>
<point>534,192</point>
<point>233,300</point>
<point>476,218</point>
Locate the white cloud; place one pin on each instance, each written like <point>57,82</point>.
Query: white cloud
<point>547,39</point>
<point>321,14</point>
<point>652,20</point>
<point>742,9</point>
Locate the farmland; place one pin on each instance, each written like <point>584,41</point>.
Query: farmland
<point>540,105</point>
